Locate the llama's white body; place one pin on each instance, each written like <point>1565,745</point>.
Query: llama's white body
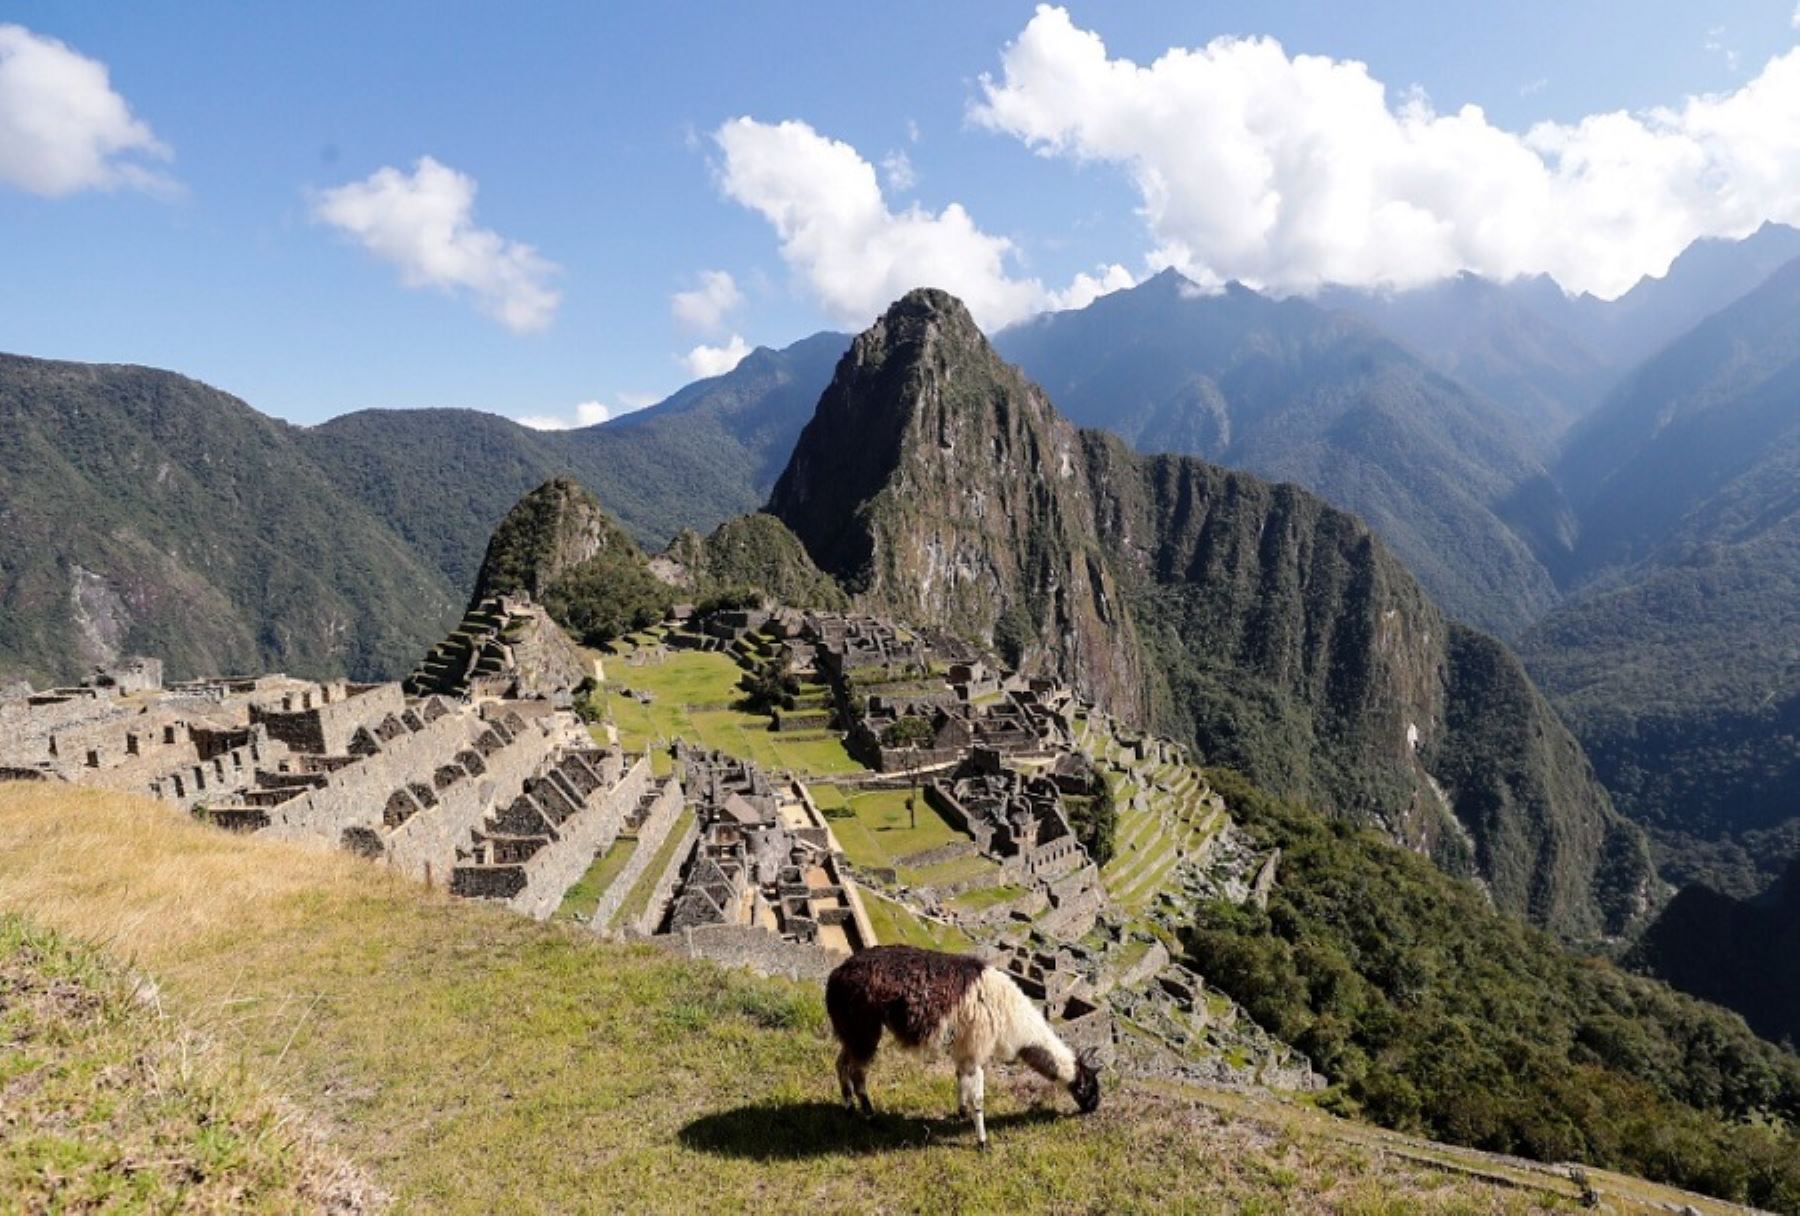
<point>996,1021</point>
<point>974,1013</point>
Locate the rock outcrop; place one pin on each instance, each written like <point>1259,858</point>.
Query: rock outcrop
<point>938,483</point>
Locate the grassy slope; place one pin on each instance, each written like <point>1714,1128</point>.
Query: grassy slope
<point>109,1103</point>
<point>476,1061</point>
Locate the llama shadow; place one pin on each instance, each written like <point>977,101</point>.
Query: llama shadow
<point>793,1131</point>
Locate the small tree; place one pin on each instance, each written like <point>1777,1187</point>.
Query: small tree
<point>911,731</point>
<point>771,686</point>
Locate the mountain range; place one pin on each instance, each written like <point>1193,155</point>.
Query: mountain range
<point>1628,524</point>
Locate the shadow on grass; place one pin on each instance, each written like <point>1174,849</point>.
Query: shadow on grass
<point>792,1131</point>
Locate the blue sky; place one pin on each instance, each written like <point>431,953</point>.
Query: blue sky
<point>240,231</point>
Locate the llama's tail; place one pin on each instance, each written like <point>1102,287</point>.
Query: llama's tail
<point>854,1019</point>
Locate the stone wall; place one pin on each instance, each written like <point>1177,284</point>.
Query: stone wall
<point>426,844</point>
<point>757,949</point>
<point>651,917</point>
<point>443,812</point>
<point>325,726</point>
<point>559,865</point>
<point>650,836</point>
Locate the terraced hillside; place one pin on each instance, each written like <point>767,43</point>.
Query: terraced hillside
<point>1167,815</point>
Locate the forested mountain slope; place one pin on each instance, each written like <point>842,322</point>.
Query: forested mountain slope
<point>141,511</point>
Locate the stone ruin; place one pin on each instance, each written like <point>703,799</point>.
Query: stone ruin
<point>761,863</point>
<point>1018,820</point>
<point>500,799</point>
<point>506,647</point>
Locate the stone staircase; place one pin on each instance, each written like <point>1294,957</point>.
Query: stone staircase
<point>477,648</point>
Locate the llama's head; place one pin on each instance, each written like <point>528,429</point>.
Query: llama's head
<point>1085,1088</point>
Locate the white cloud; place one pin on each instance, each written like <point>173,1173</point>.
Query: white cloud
<point>704,361</point>
<point>1087,288</point>
<point>586,413</point>
<point>706,306</point>
<point>897,171</point>
<point>1287,172</point>
<point>1533,87</point>
<point>849,250</point>
<point>424,223</point>
<point>62,128</point>
<point>1794,20</point>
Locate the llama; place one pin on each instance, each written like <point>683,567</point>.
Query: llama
<point>929,998</point>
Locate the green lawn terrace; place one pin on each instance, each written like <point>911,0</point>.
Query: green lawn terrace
<point>1167,816</point>
<point>654,695</point>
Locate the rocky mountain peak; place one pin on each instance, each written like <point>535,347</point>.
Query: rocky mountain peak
<point>551,531</point>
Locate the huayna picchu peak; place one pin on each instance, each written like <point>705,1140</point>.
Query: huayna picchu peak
<point>1272,630</point>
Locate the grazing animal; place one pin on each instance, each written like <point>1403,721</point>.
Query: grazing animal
<point>930,998</point>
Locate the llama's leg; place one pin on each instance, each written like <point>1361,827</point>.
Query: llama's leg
<point>860,1037</point>
<point>853,1081</point>
<point>846,1072</point>
<point>969,1096</point>
<point>860,1078</point>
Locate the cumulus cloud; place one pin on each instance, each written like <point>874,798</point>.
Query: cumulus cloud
<point>706,306</point>
<point>62,127</point>
<point>852,252</point>
<point>1291,171</point>
<point>1086,288</point>
<point>423,222</point>
<point>586,413</point>
<point>704,361</point>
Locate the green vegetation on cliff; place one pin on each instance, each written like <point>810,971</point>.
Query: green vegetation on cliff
<point>753,552</point>
<point>1430,1012</point>
<point>1676,663</point>
<point>444,478</point>
<point>143,512</point>
<point>1292,392</point>
<point>560,547</point>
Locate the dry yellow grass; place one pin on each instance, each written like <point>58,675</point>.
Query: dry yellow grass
<point>474,1061</point>
<point>144,879</point>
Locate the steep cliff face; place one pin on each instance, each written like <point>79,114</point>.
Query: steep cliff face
<point>939,485</point>
<point>1275,631</point>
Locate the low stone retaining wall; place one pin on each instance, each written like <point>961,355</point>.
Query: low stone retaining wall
<point>650,836</point>
<point>760,951</point>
